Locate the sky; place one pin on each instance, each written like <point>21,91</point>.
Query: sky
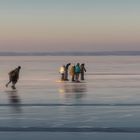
<point>69,25</point>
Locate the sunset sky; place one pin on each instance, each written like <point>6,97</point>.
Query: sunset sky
<point>69,25</point>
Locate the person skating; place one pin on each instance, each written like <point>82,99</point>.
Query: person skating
<point>13,77</point>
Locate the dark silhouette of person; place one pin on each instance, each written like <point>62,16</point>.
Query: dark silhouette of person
<point>66,71</point>
<point>83,70</point>
<point>13,77</point>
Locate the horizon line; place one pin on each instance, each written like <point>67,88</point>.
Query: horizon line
<point>74,53</point>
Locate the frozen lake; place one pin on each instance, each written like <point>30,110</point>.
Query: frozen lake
<point>108,101</point>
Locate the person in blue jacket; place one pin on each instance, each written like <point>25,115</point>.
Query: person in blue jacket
<point>77,72</point>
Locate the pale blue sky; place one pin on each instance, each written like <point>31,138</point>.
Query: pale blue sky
<point>69,25</point>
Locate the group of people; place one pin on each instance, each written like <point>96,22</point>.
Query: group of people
<point>76,71</point>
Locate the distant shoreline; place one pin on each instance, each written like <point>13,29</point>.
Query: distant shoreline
<point>99,53</point>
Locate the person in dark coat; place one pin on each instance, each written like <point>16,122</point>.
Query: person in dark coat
<point>83,70</point>
<point>13,77</point>
<point>66,71</point>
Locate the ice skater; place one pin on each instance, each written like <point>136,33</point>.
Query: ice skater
<point>13,77</point>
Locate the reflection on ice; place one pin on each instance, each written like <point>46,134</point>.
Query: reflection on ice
<point>14,99</point>
<point>76,90</point>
